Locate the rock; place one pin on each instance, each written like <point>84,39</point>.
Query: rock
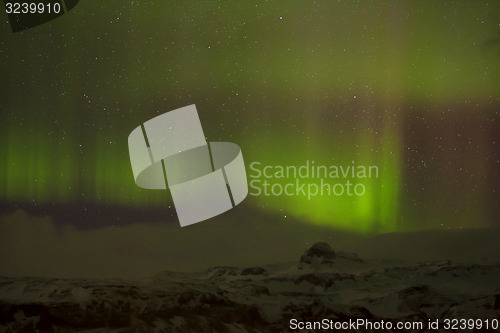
<point>253,271</point>
<point>320,280</point>
<point>221,272</point>
<point>319,252</point>
<point>349,256</point>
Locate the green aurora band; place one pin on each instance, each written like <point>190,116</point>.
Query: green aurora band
<point>288,82</point>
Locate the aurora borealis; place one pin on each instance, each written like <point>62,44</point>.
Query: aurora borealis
<point>412,87</point>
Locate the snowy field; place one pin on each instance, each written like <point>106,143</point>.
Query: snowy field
<point>321,284</point>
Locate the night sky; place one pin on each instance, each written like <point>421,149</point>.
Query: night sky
<point>410,86</point>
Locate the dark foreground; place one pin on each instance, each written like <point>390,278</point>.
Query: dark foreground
<point>323,284</point>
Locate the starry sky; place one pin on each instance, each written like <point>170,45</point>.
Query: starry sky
<point>410,86</point>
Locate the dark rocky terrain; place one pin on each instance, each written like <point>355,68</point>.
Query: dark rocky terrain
<point>322,284</point>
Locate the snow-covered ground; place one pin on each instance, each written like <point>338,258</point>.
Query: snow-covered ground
<point>321,284</point>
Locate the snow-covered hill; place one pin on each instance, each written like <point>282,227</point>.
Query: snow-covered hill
<point>322,284</point>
